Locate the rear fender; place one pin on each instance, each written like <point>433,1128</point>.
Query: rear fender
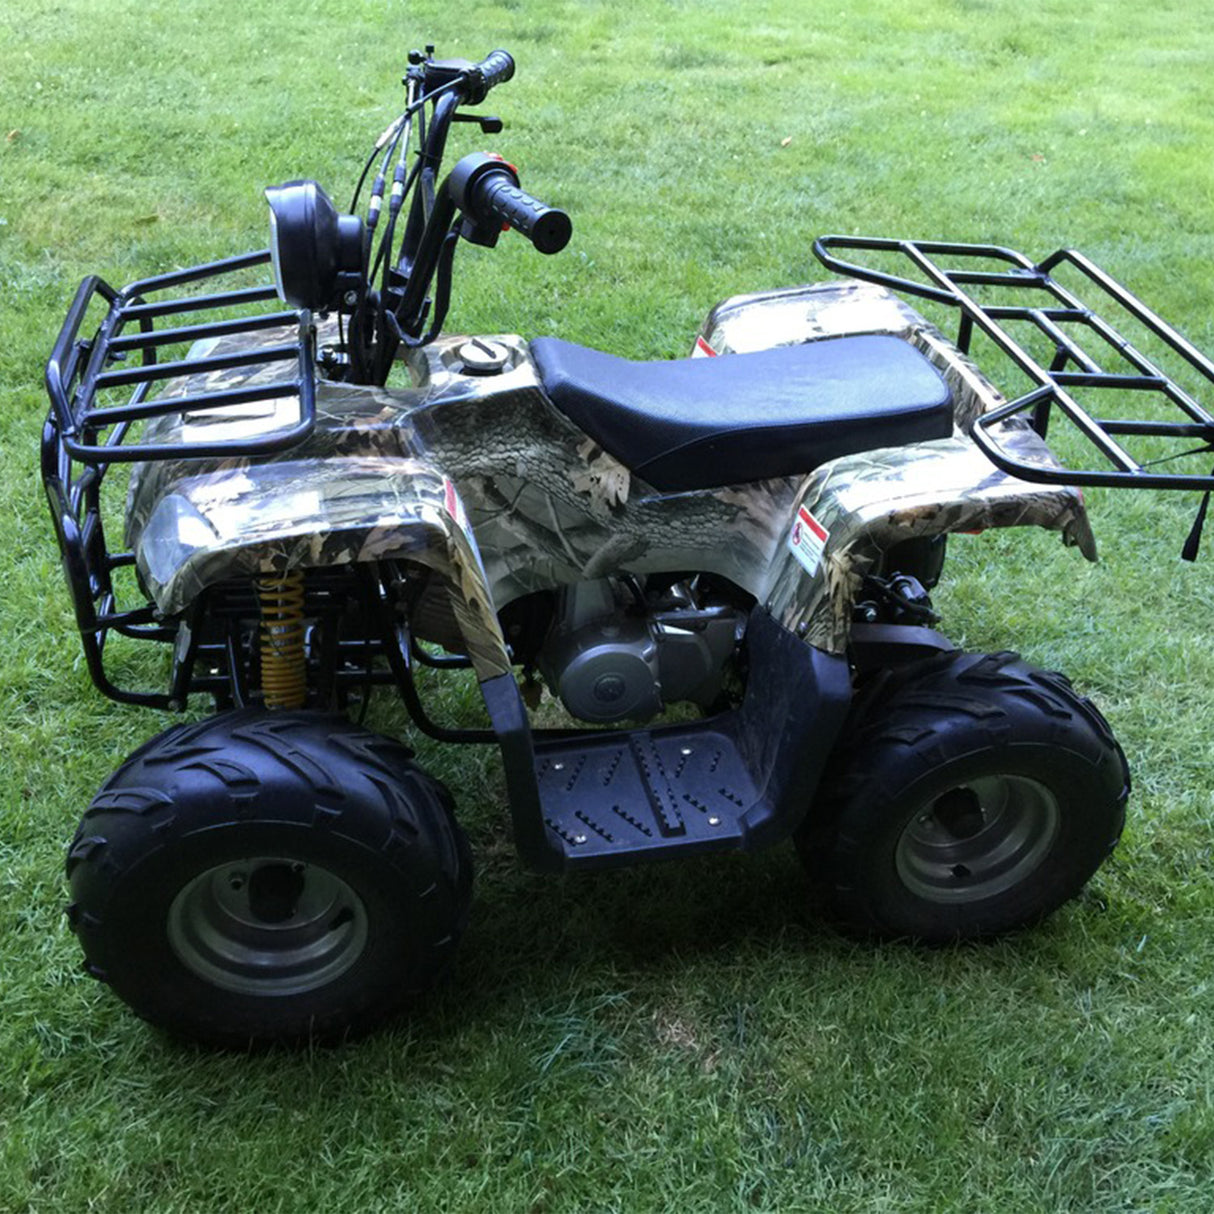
<point>308,513</point>
<point>854,510</point>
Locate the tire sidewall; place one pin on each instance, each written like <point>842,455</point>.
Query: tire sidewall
<point>870,873</point>
<point>929,727</point>
<point>329,795</point>
<point>399,924</point>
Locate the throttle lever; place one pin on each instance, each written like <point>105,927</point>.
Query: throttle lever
<point>488,123</point>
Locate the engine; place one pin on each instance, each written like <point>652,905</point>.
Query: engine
<point>619,652</point>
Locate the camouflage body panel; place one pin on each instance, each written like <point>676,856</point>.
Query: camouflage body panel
<point>792,315</point>
<point>547,506</point>
<point>300,513</point>
<point>545,503</point>
<point>868,503</point>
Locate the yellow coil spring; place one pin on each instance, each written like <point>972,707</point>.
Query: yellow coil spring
<point>284,671</point>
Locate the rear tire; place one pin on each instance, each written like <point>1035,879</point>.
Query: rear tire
<point>269,877</point>
<point>975,798</point>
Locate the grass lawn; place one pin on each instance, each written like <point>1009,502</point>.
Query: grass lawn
<point>619,1043</point>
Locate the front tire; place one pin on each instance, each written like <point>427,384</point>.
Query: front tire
<point>973,799</point>
<point>269,877</point>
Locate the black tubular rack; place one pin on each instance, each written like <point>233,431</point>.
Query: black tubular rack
<point>79,369</point>
<point>1048,308</point>
<point>82,439</point>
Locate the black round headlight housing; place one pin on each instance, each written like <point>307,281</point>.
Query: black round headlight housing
<point>318,255</point>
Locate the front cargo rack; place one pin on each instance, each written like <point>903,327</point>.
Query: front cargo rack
<point>1056,315</point>
<point>85,435</point>
<point>80,370</point>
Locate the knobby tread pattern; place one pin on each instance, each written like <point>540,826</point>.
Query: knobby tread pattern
<point>339,795</point>
<point>954,711</point>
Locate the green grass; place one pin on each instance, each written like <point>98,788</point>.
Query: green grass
<point>698,1042</point>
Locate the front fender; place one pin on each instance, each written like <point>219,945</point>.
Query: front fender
<point>307,513</point>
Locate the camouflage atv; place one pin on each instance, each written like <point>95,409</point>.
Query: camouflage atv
<point>325,494</point>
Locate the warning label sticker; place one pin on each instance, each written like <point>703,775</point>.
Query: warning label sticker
<point>454,505</point>
<point>807,540</point>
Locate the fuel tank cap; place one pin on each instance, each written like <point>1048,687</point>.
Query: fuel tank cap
<point>483,357</point>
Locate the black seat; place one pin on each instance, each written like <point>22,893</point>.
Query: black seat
<point>699,423</point>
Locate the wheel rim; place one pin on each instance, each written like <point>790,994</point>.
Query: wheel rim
<point>978,839</point>
<point>268,925</point>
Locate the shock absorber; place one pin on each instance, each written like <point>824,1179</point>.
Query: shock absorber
<point>284,671</point>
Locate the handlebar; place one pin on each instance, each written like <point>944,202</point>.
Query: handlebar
<point>486,189</point>
<point>472,81</point>
<point>499,195</point>
<point>495,68</point>
<point>479,195</point>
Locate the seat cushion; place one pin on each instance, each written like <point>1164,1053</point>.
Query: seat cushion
<point>699,423</point>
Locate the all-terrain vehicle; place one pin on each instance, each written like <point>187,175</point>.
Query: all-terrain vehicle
<point>325,493</point>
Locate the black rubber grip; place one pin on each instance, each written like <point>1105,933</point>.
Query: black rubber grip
<point>496,194</point>
<point>495,68</point>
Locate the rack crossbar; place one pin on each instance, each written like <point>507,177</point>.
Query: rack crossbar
<point>1074,366</point>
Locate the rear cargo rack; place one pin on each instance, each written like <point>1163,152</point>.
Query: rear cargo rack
<point>1072,368</point>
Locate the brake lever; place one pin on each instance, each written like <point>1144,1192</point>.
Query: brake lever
<point>488,123</point>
